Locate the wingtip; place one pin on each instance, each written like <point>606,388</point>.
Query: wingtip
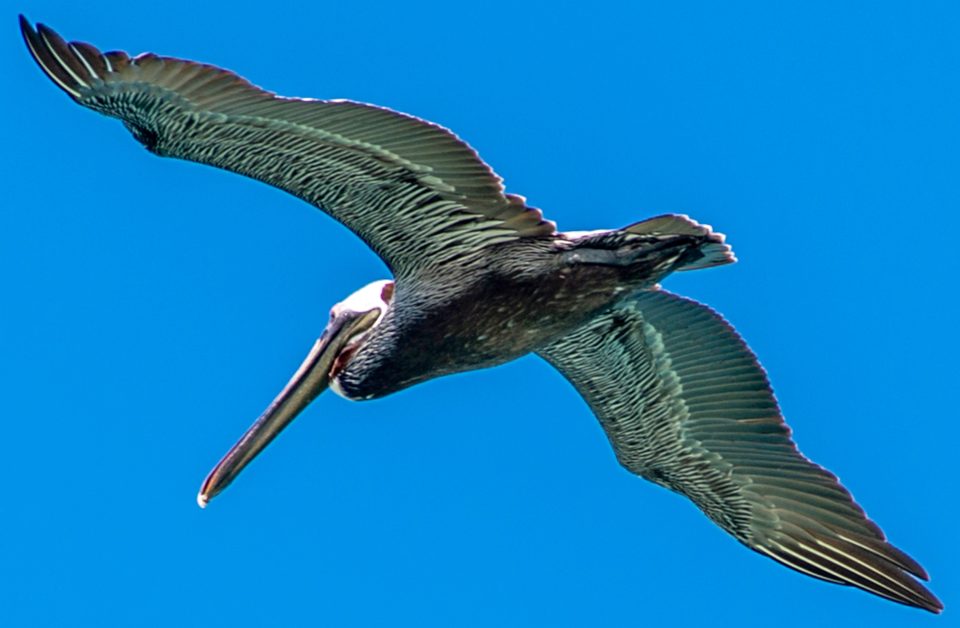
<point>930,603</point>
<point>26,29</point>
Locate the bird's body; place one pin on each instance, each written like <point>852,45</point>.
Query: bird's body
<point>480,278</point>
<point>512,299</point>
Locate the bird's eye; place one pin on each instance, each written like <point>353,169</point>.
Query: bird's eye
<point>386,293</point>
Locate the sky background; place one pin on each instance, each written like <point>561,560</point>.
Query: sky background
<point>150,309</point>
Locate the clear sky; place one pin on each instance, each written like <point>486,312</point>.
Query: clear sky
<point>151,309</point>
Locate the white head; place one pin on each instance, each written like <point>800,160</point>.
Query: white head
<point>351,321</point>
<point>374,296</point>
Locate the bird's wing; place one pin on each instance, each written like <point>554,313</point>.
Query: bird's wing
<point>417,194</point>
<point>686,405</point>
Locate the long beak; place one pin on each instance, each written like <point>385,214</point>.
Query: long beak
<point>311,379</point>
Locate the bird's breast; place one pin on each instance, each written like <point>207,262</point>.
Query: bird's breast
<point>494,319</point>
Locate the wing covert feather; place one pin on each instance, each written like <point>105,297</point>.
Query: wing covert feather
<point>686,404</point>
<point>412,190</point>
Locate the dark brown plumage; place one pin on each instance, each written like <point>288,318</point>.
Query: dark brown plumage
<point>481,279</point>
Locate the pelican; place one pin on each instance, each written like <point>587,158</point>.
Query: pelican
<point>481,278</point>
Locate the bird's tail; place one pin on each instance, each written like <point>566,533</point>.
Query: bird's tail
<point>713,250</point>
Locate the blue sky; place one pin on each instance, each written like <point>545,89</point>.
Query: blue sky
<point>152,308</point>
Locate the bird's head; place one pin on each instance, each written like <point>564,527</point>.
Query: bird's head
<point>351,322</point>
<point>361,312</point>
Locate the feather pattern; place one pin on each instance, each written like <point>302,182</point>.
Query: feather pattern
<point>686,405</point>
<point>414,192</point>
<point>682,399</point>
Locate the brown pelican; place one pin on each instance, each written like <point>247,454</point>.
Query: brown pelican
<point>480,279</point>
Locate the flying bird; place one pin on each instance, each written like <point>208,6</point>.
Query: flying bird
<point>481,278</point>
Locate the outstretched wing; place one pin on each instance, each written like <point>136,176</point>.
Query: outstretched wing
<point>415,193</point>
<point>685,404</point>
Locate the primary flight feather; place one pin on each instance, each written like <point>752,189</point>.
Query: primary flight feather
<point>481,279</point>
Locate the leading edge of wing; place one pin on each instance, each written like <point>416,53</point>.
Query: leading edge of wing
<point>686,404</point>
<point>415,192</point>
